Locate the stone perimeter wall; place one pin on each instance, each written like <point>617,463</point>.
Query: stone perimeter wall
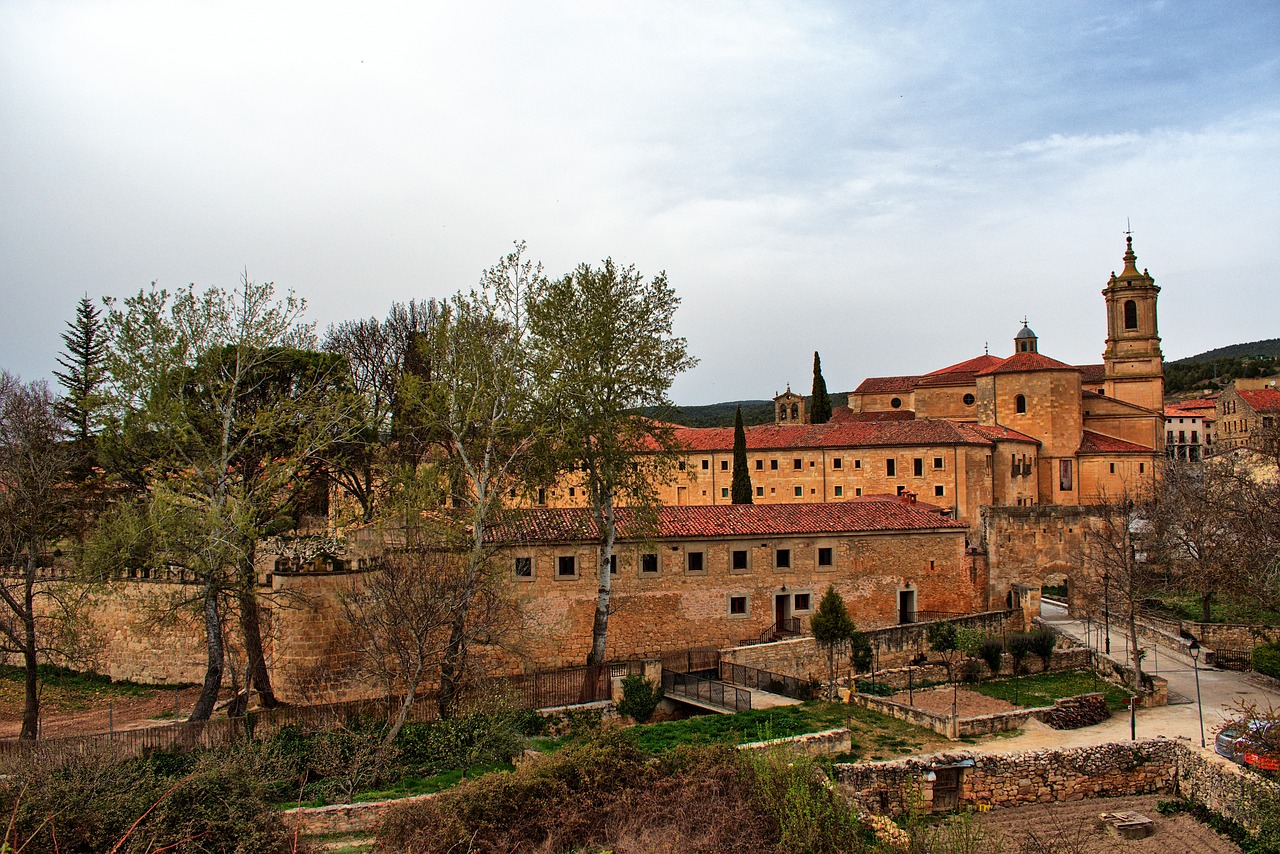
<point>1152,766</point>
<point>1067,713</point>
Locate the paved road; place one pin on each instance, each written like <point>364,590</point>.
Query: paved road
<point>1220,690</point>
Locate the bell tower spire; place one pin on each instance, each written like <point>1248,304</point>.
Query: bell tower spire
<point>1134,364</point>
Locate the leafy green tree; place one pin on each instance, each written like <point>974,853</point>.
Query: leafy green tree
<point>991,651</point>
<point>36,503</point>
<point>83,372</point>
<point>820,403</point>
<point>832,626</point>
<point>741,474</point>
<point>478,402</point>
<point>945,640</point>
<point>603,350</point>
<point>232,405</point>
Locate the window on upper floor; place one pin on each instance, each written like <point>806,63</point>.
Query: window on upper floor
<point>837,463</point>
<point>1020,404</point>
<point>1130,314</point>
<point>782,558</point>
<point>890,467</point>
<point>739,559</point>
<point>917,467</point>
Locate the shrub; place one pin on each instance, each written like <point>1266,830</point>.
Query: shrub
<point>461,743</point>
<point>1043,642</point>
<point>1020,646</point>
<point>1266,659</point>
<point>991,651</point>
<point>640,698</point>
<point>972,671</point>
<point>875,689</point>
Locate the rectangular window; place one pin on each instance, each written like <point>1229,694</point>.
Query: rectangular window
<point>796,464</point>
<point>825,556</point>
<point>1195,436</point>
<point>803,602</point>
<point>1113,468</point>
<point>857,464</point>
<point>799,491</point>
<point>1169,437</point>
<point>1142,467</point>
<point>891,467</point>
<point>524,567</point>
<point>566,566</point>
<point>739,560</point>
<point>706,464</point>
<point>837,463</point>
<point>839,491</point>
<point>759,465</point>
<point>760,492</point>
<point>693,561</point>
<point>1064,475</point>
<point>681,465</point>
<point>724,492</point>
<point>737,606</point>
<point>542,496</point>
<point>782,558</point>
<point>773,465</point>
<point>649,563</point>
<point>724,465</point>
<point>939,491</point>
<point>572,492</point>
<point>613,564</point>
<point>937,462</point>
<point>857,492</point>
<point>917,467</point>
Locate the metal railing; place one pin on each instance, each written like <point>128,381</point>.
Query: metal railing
<point>709,691</point>
<point>766,680</point>
<point>789,627</point>
<point>692,660</point>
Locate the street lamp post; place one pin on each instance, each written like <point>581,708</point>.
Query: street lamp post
<point>1194,649</point>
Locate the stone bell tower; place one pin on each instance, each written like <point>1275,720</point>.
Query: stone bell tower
<point>788,408</point>
<point>1133,361</point>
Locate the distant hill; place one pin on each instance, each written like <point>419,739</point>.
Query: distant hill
<point>1268,347</point>
<point>721,414</point>
<point>1215,369</point>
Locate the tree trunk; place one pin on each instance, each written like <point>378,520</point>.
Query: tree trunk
<point>251,629</point>
<point>217,657</point>
<point>1206,601</point>
<point>600,625</point>
<point>31,702</point>
<point>453,664</point>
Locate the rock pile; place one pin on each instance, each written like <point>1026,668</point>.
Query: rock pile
<point>1076,712</point>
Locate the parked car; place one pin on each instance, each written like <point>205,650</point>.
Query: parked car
<point>1250,743</point>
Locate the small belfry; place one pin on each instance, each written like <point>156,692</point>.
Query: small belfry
<point>1025,341</point>
<point>1133,362</point>
<point>789,408</point>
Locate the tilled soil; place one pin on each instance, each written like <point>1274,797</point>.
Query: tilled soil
<point>1075,827</point>
<point>85,714</point>
<point>968,703</point>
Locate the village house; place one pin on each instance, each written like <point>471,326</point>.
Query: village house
<point>1248,415</point>
<point>1188,429</point>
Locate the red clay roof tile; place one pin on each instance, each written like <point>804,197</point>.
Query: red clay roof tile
<point>1096,443</point>
<point>1261,399</point>
<point>728,520</point>
<point>1022,362</point>
<point>843,434</point>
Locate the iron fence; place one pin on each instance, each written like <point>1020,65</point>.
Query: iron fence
<point>709,691</point>
<point>694,660</point>
<point>765,680</point>
<point>1233,659</point>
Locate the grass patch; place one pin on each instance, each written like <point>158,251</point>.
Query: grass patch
<point>1241,610</point>
<point>870,731</point>
<point>1042,689</point>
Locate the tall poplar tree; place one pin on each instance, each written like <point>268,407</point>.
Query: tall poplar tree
<point>602,351</point>
<point>741,475</point>
<point>820,404</point>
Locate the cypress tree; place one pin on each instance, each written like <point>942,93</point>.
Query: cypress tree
<point>741,476</point>
<point>85,370</point>
<point>820,403</point>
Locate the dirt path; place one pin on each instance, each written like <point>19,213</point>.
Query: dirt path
<point>1075,826</point>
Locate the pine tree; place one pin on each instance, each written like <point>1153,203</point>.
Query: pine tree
<point>741,476</point>
<point>84,362</point>
<point>820,404</point>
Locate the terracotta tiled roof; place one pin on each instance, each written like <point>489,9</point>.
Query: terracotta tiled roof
<point>1261,399</point>
<point>1003,433</point>
<point>1096,443</point>
<point>1021,362</point>
<point>1092,374</point>
<point>841,434</point>
<point>970,366</point>
<point>845,415</point>
<point>729,520</point>
<point>884,385</point>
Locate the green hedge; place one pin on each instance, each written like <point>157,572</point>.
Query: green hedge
<point>1266,659</point>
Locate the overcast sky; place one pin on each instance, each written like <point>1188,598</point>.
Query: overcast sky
<point>892,184</point>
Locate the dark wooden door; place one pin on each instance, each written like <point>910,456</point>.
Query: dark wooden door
<point>946,789</point>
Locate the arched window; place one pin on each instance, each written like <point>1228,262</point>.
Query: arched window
<point>1020,404</point>
<point>795,412</point>
<point>1130,314</point>
<point>782,412</point>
